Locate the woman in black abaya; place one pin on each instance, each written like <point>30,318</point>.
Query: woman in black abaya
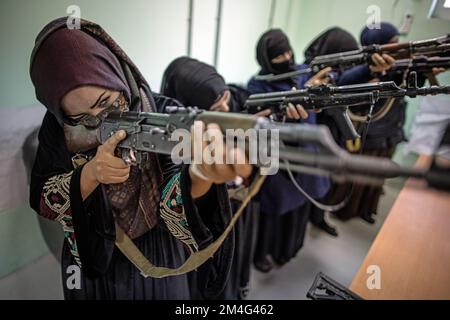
<point>198,84</point>
<point>168,211</point>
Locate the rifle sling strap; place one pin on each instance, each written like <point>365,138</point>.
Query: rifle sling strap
<point>377,116</point>
<point>196,259</point>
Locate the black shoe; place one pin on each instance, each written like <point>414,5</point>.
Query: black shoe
<point>281,261</point>
<point>369,220</point>
<point>265,265</point>
<point>327,228</point>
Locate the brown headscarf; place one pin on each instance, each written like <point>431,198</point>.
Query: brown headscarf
<point>69,59</point>
<point>63,60</point>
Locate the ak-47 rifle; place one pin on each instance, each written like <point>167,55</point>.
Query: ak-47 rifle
<point>420,64</point>
<point>404,50</point>
<point>152,132</point>
<point>344,60</point>
<point>336,99</point>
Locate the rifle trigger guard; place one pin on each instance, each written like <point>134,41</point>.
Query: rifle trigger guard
<point>129,156</point>
<point>135,127</point>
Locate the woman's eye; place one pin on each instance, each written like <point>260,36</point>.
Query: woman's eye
<point>77,117</point>
<point>103,103</point>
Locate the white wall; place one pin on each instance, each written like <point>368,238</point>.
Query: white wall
<point>243,22</point>
<point>204,30</point>
<point>152,32</point>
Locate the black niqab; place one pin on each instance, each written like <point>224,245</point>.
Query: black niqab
<point>331,41</point>
<point>272,44</point>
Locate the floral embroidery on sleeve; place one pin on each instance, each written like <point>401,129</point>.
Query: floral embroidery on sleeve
<point>55,205</point>
<point>172,212</point>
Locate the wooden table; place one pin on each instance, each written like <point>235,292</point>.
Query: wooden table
<point>412,248</point>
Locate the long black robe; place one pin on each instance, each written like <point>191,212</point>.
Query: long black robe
<point>105,272</point>
<point>195,83</point>
<point>246,228</point>
<point>245,233</point>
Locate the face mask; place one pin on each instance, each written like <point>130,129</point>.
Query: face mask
<point>284,67</point>
<point>93,122</point>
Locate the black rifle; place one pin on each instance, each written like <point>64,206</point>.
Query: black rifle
<point>420,64</point>
<point>405,50</point>
<point>337,99</point>
<point>325,288</point>
<point>344,60</point>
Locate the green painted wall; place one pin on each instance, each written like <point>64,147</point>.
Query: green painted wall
<point>21,239</point>
<point>141,27</point>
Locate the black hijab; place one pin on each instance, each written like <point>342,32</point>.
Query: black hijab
<point>331,41</point>
<point>270,45</point>
<point>193,83</point>
<point>383,35</point>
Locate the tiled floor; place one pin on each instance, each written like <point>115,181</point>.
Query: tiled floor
<point>339,258</point>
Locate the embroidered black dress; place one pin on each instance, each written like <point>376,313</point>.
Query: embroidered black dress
<point>89,225</point>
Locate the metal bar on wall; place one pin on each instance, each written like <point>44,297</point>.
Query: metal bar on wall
<point>288,16</point>
<point>273,6</point>
<point>190,23</point>
<point>218,25</point>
